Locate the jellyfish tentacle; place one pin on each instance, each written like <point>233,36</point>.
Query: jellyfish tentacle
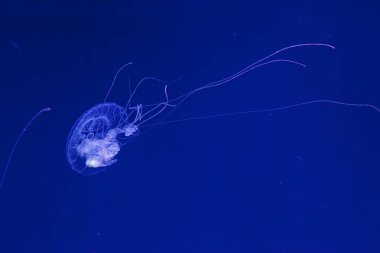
<point>138,86</point>
<point>114,79</point>
<point>261,62</point>
<point>165,105</point>
<point>273,109</point>
<point>3,175</point>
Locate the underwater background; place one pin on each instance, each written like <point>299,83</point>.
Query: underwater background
<point>299,180</point>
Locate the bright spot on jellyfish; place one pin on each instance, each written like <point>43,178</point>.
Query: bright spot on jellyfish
<point>99,134</point>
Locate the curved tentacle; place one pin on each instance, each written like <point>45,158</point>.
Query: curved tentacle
<point>2,178</point>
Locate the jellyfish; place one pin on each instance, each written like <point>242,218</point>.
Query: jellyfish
<point>99,134</point>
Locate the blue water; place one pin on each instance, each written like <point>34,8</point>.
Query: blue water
<point>299,180</point>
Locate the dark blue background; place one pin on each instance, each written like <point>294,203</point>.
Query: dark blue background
<point>300,180</point>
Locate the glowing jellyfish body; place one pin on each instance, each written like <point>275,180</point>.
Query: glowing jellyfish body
<point>92,143</point>
<point>95,139</point>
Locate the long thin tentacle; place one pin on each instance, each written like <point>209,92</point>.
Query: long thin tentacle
<point>2,179</point>
<point>377,109</point>
<point>114,79</point>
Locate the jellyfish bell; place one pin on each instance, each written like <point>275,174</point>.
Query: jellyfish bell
<point>93,140</point>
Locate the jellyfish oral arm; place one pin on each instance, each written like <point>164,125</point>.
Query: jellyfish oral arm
<point>130,130</point>
<point>99,152</point>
